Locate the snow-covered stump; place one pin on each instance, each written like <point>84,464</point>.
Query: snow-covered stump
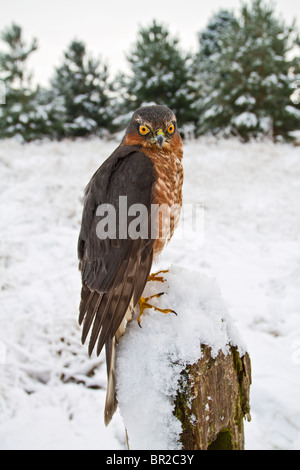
<point>215,393</point>
<point>183,381</point>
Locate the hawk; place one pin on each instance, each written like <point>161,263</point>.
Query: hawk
<point>146,169</point>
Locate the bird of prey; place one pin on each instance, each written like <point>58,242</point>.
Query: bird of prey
<point>146,169</point>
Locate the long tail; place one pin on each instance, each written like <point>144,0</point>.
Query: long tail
<point>111,400</point>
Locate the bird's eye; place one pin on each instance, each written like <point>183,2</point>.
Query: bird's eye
<point>143,130</point>
<point>171,128</point>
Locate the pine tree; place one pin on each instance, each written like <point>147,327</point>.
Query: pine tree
<point>211,39</point>
<point>160,74</point>
<point>49,111</point>
<point>18,115</point>
<point>210,71</point>
<point>248,78</point>
<point>269,71</point>
<point>81,84</point>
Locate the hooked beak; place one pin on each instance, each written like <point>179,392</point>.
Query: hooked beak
<point>160,137</point>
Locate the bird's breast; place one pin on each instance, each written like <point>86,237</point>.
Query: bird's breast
<point>167,195</point>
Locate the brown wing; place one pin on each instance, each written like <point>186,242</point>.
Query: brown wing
<point>113,270</point>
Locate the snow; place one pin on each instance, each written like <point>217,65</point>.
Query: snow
<point>48,384</point>
<point>2,92</point>
<point>82,122</point>
<point>246,119</point>
<point>271,80</point>
<point>293,111</point>
<point>243,100</point>
<point>80,98</point>
<point>164,346</point>
<point>214,110</point>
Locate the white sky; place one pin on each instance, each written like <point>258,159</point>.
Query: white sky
<point>109,28</point>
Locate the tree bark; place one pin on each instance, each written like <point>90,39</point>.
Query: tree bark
<point>213,400</point>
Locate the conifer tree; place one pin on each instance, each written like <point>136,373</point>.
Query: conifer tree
<point>81,84</point>
<point>160,73</point>
<point>247,76</point>
<point>18,115</point>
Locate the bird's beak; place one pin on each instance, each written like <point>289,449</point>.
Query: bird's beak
<point>160,137</point>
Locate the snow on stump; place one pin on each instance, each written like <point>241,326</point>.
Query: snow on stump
<point>183,381</point>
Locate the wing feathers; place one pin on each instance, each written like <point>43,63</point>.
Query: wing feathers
<point>90,317</point>
<point>86,306</point>
<point>100,316</point>
<point>143,273</point>
<point>85,295</point>
<point>119,305</point>
<point>103,313</point>
<point>107,307</point>
<point>114,270</point>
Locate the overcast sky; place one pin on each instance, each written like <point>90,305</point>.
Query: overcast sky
<point>110,27</point>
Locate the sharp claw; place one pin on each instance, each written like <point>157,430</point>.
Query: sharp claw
<point>143,302</point>
<point>155,277</point>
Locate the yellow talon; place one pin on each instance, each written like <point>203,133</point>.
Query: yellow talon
<point>144,304</point>
<point>155,277</point>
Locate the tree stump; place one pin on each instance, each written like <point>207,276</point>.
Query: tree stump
<point>213,400</point>
<point>183,381</point>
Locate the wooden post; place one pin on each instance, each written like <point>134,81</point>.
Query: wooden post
<point>174,391</point>
<point>213,400</point>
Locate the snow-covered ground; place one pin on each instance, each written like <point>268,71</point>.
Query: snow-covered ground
<point>51,394</point>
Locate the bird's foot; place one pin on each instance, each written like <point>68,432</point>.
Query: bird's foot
<point>155,277</point>
<point>144,304</point>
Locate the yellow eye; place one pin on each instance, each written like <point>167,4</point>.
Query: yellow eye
<point>143,130</point>
<point>171,128</point>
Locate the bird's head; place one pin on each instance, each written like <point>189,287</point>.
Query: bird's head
<point>153,127</point>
